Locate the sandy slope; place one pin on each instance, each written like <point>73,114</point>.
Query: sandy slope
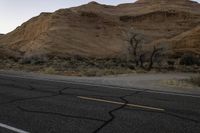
<point>102,31</point>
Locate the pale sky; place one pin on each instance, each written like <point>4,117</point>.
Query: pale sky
<point>15,12</point>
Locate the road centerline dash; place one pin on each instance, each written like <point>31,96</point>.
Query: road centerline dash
<point>121,103</point>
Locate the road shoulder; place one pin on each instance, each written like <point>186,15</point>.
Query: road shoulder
<point>163,82</point>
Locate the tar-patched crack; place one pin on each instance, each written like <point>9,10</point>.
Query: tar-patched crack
<point>61,92</point>
<point>111,112</point>
<point>123,98</point>
<point>177,115</point>
<point>54,94</point>
<point>26,99</point>
<point>59,114</point>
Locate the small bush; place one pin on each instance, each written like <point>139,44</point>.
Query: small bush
<point>103,72</point>
<point>189,60</point>
<point>195,80</point>
<point>89,72</point>
<point>50,70</point>
<point>89,14</point>
<point>34,60</point>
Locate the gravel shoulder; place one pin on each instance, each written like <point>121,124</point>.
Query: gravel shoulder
<point>169,82</point>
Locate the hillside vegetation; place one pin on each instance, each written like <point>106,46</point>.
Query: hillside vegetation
<point>147,33</point>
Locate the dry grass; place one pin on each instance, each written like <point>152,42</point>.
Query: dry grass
<point>176,83</point>
<point>103,72</point>
<point>70,67</point>
<point>49,70</point>
<point>82,67</point>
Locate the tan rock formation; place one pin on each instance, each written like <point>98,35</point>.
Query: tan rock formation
<point>101,31</point>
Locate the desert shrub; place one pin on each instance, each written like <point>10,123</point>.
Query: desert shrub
<point>90,72</point>
<point>126,18</point>
<point>93,63</point>
<point>50,70</point>
<point>34,60</point>
<point>89,14</point>
<point>189,59</point>
<point>195,80</point>
<point>171,62</point>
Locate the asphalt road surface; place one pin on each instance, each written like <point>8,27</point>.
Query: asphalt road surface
<point>41,106</point>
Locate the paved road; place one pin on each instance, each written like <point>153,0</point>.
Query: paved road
<point>41,106</point>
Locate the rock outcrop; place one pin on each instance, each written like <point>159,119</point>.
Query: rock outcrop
<point>101,31</point>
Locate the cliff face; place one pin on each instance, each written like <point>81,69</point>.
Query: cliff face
<point>68,33</point>
<point>187,42</point>
<point>101,31</point>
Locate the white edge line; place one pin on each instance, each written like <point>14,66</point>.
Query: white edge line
<point>12,128</point>
<point>107,86</point>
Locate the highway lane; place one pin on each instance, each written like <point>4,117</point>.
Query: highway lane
<point>40,106</point>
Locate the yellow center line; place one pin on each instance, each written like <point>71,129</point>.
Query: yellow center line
<point>120,103</point>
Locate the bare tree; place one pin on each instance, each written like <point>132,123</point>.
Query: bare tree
<point>142,59</point>
<point>135,44</point>
<point>152,57</point>
<point>139,55</point>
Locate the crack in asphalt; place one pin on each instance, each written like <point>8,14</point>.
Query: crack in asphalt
<point>181,117</point>
<point>26,99</point>
<point>111,112</point>
<point>59,114</point>
<point>173,114</point>
<point>59,93</point>
<point>111,115</point>
<point>54,94</point>
<point>105,122</point>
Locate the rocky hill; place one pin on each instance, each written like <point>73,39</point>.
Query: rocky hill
<point>101,31</point>
<point>186,42</point>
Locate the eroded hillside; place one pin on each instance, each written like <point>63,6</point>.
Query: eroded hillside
<point>102,31</point>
